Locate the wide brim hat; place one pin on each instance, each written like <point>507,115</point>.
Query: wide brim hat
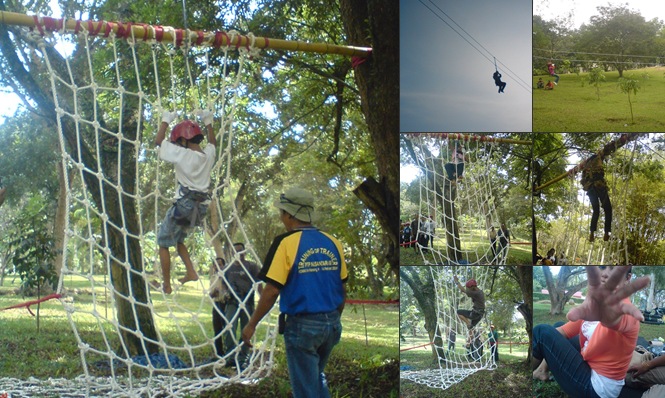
<point>299,203</point>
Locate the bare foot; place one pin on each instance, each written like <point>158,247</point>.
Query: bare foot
<point>188,278</point>
<point>539,374</point>
<point>166,288</point>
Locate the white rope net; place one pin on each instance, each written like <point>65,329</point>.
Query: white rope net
<point>569,233</point>
<point>118,117</point>
<point>457,205</point>
<point>468,351</point>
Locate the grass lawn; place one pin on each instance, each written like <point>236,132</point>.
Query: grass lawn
<point>511,378</point>
<point>573,107</point>
<point>363,364</point>
<point>541,308</point>
<point>518,254</point>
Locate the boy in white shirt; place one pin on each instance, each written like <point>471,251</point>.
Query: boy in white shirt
<point>192,169</point>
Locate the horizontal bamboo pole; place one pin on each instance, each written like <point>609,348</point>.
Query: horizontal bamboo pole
<point>177,36</point>
<point>470,137</point>
<point>607,150</point>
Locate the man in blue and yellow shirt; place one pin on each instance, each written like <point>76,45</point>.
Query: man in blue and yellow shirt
<point>305,267</point>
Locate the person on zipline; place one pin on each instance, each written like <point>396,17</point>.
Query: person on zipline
<point>498,82</point>
<point>550,70</point>
<point>593,182</point>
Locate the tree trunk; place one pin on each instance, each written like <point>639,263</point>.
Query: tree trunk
<point>450,220</point>
<point>524,276</point>
<point>425,294</point>
<point>558,289</point>
<point>372,23</point>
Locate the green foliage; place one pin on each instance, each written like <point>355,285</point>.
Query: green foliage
<point>636,185</point>
<point>32,248</point>
<point>628,85</point>
<point>618,30</point>
<point>596,77</point>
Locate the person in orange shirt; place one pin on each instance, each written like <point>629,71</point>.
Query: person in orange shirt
<point>607,325</point>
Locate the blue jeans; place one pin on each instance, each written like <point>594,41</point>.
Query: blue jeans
<point>564,360</point>
<point>309,340</point>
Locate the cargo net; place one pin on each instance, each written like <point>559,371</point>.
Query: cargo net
<point>110,89</point>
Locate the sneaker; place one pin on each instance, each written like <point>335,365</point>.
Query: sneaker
<point>556,84</point>
<point>606,237</point>
<point>591,237</point>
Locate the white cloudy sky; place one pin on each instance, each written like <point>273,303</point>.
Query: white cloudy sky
<point>582,10</point>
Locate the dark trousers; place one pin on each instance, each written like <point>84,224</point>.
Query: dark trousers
<point>218,324</point>
<point>564,361</point>
<point>598,197</point>
<point>423,240</point>
<point>494,349</point>
<point>454,171</point>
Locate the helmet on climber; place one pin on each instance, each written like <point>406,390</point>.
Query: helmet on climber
<point>188,130</point>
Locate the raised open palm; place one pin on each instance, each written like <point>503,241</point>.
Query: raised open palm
<point>604,300</point>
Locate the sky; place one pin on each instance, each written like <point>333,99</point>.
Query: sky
<point>446,85</point>
<point>582,10</point>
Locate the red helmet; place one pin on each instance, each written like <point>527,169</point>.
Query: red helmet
<point>471,283</point>
<point>186,129</point>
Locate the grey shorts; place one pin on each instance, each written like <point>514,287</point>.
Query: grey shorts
<point>473,315</point>
<point>170,233</point>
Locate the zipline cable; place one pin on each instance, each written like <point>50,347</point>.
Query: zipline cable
<point>582,52</point>
<point>486,50</point>
<point>518,80</point>
<point>596,61</point>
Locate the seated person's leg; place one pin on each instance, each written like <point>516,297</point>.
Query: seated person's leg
<point>564,361</point>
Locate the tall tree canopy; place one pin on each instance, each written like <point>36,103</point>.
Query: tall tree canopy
<point>619,31</point>
<point>615,37</point>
